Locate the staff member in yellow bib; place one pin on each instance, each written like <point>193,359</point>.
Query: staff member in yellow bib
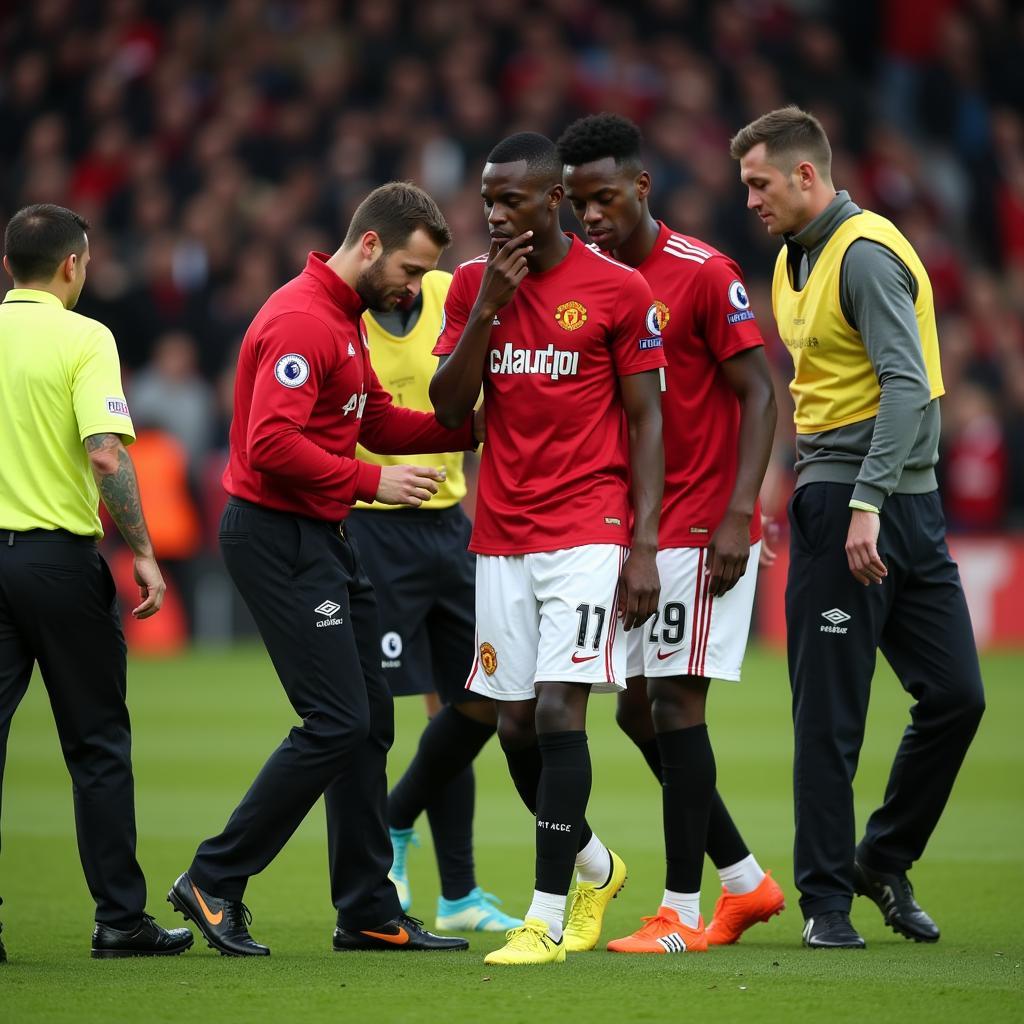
<point>64,423</point>
<point>425,579</point>
<point>869,567</point>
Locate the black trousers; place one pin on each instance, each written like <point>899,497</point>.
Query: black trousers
<point>317,614</point>
<point>58,607</point>
<point>425,580</point>
<point>918,619</point>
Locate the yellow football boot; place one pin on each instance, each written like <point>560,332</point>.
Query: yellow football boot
<point>529,944</point>
<point>589,902</point>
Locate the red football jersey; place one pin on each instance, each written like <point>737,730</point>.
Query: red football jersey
<point>705,318</point>
<point>305,393</point>
<point>555,468</point>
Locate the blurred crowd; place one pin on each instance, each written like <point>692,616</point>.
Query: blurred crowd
<point>213,144</point>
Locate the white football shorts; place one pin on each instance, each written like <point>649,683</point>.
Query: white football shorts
<point>548,617</point>
<point>694,634</point>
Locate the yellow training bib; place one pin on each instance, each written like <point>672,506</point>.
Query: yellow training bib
<point>405,366</point>
<point>834,383</point>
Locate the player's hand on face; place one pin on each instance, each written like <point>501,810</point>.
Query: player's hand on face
<point>408,485</point>
<point>728,553</point>
<point>862,548</point>
<point>506,267</point>
<point>151,587</point>
<point>639,588</point>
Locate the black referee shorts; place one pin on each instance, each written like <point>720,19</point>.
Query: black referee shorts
<point>425,579</point>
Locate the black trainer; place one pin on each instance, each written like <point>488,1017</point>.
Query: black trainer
<point>402,933</point>
<point>224,923</point>
<point>149,939</point>
<point>894,896</point>
<point>831,930</point>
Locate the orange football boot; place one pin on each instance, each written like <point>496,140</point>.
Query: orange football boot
<point>735,913</point>
<point>663,933</point>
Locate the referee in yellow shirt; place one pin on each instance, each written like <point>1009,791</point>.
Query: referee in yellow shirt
<point>64,423</point>
<point>425,580</point>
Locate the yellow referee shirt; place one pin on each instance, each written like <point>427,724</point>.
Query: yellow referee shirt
<point>405,365</point>
<point>60,381</point>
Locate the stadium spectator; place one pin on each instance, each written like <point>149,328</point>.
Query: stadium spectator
<point>976,461</point>
<point>169,393</point>
<point>175,528</point>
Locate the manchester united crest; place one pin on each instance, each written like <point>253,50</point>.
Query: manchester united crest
<point>571,315</point>
<point>488,658</point>
<point>662,313</point>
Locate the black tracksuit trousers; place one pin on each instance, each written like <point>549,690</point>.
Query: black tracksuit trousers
<point>918,619</point>
<point>317,614</point>
<point>58,607</point>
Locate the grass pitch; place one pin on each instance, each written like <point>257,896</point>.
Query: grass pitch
<point>203,725</point>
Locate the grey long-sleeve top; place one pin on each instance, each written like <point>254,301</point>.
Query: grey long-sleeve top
<point>896,450</point>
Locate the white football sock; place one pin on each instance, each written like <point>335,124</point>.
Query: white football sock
<point>742,877</point>
<point>685,904</point>
<point>594,862</point>
<point>550,908</point>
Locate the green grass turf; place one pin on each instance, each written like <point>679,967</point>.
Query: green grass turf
<point>203,725</point>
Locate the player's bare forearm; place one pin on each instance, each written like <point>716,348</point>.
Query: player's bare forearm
<point>729,547</point>
<point>641,398</point>
<point>750,378</point>
<point>455,386</point>
<point>639,586</point>
<point>119,490</point>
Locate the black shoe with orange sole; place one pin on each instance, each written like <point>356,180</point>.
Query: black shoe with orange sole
<point>400,934</point>
<point>224,923</point>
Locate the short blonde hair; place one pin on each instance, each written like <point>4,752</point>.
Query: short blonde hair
<point>789,135</point>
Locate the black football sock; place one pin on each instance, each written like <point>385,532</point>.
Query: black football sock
<point>451,824</point>
<point>524,768</point>
<point>561,805</point>
<point>688,763</point>
<point>448,745</point>
<point>652,755</point>
<point>524,765</point>
<point>725,844</point>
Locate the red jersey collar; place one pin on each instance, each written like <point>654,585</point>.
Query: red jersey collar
<point>664,234</point>
<point>575,246</point>
<point>343,295</point>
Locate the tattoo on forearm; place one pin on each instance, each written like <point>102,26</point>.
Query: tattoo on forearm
<point>120,493</point>
<point>94,442</point>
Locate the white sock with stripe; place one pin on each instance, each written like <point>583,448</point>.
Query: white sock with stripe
<point>549,907</point>
<point>594,862</point>
<point>685,904</point>
<point>742,877</point>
